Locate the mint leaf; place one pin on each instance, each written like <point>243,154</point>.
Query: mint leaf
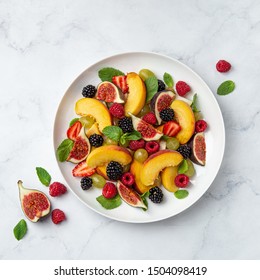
<point>73,121</point>
<point>168,80</point>
<point>226,88</point>
<point>183,167</point>
<point>64,149</point>
<point>194,103</point>
<point>151,84</point>
<point>107,73</point>
<point>113,132</point>
<point>180,194</point>
<point>20,230</point>
<point>43,176</point>
<point>135,135</point>
<point>144,199</point>
<point>110,203</point>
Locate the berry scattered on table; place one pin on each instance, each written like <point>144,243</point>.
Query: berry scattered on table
<point>109,190</point>
<point>117,110</point>
<point>156,195</point>
<point>128,179</point>
<point>181,180</point>
<point>57,189</point>
<point>57,216</point>
<point>136,144</point>
<point>182,88</point>
<point>184,150</point>
<point>167,114</point>
<point>152,147</point>
<point>114,170</point>
<point>86,183</point>
<point>89,91</point>
<point>200,126</point>
<point>161,85</point>
<point>150,118</point>
<point>96,140</point>
<point>126,124</point>
<point>223,66</point>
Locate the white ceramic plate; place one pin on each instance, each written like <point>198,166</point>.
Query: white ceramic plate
<point>215,135</point>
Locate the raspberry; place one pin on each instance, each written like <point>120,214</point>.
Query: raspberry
<point>57,189</point>
<point>150,118</point>
<point>223,66</point>
<point>200,126</point>
<point>152,147</point>
<point>182,88</point>
<point>57,216</point>
<point>128,179</point>
<point>109,190</point>
<point>117,110</point>
<point>136,144</point>
<point>181,180</point>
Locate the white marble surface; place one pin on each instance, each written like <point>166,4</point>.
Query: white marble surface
<point>44,45</point>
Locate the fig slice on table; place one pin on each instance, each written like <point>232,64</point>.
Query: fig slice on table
<point>108,92</point>
<point>35,204</point>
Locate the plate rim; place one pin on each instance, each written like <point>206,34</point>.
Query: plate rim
<point>120,54</point>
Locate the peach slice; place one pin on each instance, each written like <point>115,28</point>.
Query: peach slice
<point>137,94</point>
<point>102,170</point>
<point>185,117</point>
<point>168,175</point>
<point>156,163</point>
<point>93,107</point>
<point>92,130</point>
<point>135,169</point>
<point>104,154</point>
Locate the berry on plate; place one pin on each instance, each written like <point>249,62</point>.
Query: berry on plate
<point>128,179</point>
<point>86,183</point>
<point>89,91</point>
<point>152,147</point>
<point>136,144</point>
<point>200,126</point>
<point>171,128</point>
<point>82,170</point>
<point>181,180</point>
<point>156,195</point>
<point>150,118</point>
<point>117,110</point>
<point>109,190</point>
<point>74,130</point>
<point>167,114</point>
<point>182,88</point>
<point>120,81</point>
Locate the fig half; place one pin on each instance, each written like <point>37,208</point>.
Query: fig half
<point>108,92</point>
<point>198,149</point>
<point>130,196</point>
<point>35,204</point>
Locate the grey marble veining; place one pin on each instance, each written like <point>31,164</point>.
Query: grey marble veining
<point>44,45</point>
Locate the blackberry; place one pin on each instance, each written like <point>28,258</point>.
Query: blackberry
<point>96,140</point>
<point>184,150</point>
<point>114,170</point>
<point>167,114</point>
<point>86,183</point>
<point>156,195</point>
<point>161,85</point>
<point>89,91</point>
<point>126,124</point>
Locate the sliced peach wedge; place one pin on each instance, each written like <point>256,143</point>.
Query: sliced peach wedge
<point>156,163</point>
<point>137,94</point>
<point>185,118</point>
<point>168,175</point>
<point>93,107</point>
<point>104,154</point>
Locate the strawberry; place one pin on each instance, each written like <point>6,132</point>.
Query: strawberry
<point>171,128</point>
<point>120,81</point>
<point>82,170</point>
<point>74,130</point>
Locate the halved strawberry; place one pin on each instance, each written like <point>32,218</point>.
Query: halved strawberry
<point>171,128</point>
<point>82,170</point>
<point>120,81</point>
<point>74,130</point>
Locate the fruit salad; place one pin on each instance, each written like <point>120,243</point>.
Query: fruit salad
<point>135,137</point>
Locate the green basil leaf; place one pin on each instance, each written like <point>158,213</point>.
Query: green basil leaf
<point>226,88</point>
<point>168,80</point>
<point>20,229</point>
<point>43,176</point>
<point>194,103</point>
<point>107,73</point>
<point>183,167</point>
<point>181,194</point>
<point>73,121</point>
<point>110,203</point>
<point>64,149</point>
<point>151,84</point>
<point>113,132</point>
